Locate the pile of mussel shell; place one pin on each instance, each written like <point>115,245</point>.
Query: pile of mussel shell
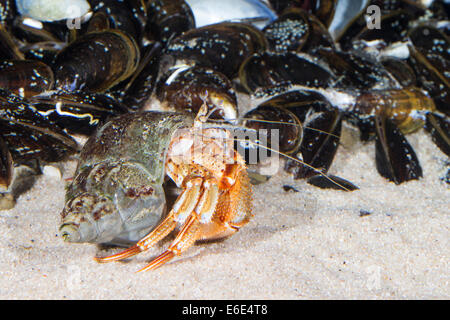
<point>66,67</point>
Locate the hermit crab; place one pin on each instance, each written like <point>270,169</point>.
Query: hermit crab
<point>117,192</point>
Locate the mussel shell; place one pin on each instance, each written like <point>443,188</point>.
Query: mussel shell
<point>29,31</point>
<point>401,106</point>
<point>127,16</point>
<point>98,22</point>
<point>322,9</point>
<point>296,30</point>
<point>434,45</point>
<point>168,19</point>
<point>415,8</point>
<point>77,112</point>
<point>289,32</point>
<point>96,61</point>
<point>346,14</point>
<point>222,47</point>
<point>7,11</point>
<point>332,182</point>
<point>6,166</point>
<point>430,59</point>
<point>309,129</point>
<point>395,158</point>
<point>25,77</point>
<point>439,128</point>
<point>187,90</point>
<point>8,47</point>
<point>321,132</point>
<point>29,135</point>
<point>395,16</point>
<point>400,70</point>
<point>271,70</point>
<point>43,51</point>
<point>138,89</point>
<point>319,37</point>
<point>394,27</point>
<point>354,71</point>
<point>272,117</point>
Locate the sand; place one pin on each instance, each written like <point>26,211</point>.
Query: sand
<point>380,242</point>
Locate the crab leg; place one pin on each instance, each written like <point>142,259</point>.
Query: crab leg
<point>192,228</point>
<point>185,239</point>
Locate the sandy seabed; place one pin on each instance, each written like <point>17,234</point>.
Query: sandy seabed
<point>381,242</point>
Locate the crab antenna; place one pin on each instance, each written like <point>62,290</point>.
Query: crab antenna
<point>296,160</point>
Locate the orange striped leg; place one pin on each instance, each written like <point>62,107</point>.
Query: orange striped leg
<point>192,228</point>
<point>184,240</point>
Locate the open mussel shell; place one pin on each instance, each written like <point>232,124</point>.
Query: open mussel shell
<point>25,77</point>
<point>222,47</point>
<point>187,89</point>
<point>77,112</point>
<point>269,70</point>
<point>96,61</point>
<point>168,19</point>
<point>29,135</point>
